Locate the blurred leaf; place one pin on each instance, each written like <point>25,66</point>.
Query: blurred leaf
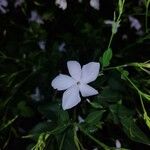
<point>115,82</point>
<point>109,96</point>
<point>42,127</point>
<point>25,110</point>
<point>107,56</point>
<point>63,117</point>
<point>50,110</point>
<point>66,141</point>
<point>54,112</point>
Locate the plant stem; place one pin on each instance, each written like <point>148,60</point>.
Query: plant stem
<point>76,138</point>
<point>110,41</point>
<point>62,141</point>
<point>105,147</point>
<point>146,15</point>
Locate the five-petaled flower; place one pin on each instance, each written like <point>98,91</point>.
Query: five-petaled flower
<point>77,82</point>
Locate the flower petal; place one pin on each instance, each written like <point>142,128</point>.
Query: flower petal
<point>74,69</point>
<point>90,72</point>
<point>71,97</point>
<point>87,90</point>
<point>62,82</point>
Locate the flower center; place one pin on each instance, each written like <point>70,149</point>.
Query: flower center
<point>78,83</point>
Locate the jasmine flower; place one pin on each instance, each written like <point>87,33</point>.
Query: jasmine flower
<point>35,17</point>
<point>3,5</point>
<point>77,82</point>
<point>118,145</point>
<point>61,47</point>
<point>18,3</point>
<point>42,45</point>
<point>37,96</point>
<point>95,4</point>
<point>134,23</point>
<point>61,4</point>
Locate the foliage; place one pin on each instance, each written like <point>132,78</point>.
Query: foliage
<point>32,53</point>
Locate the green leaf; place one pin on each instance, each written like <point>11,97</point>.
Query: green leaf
<point>114,113</point>
<point>107,56</point>
<point>109,96</point>
<point>66,143</point>
<point>147,119</point>
<point>50,110</point>
<point>63,117</point>
<point>42,127</point>
<point>131,129</point>
<point>94,117</point>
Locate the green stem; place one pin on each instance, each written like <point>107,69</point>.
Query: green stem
<point>120,66</point>
<point>146,15</point>
<point>142,103</point>
<point>105,147</point>
<point>62,141</point>
<point>110,41</point>
<point>146,19</point>
<point>76,138</point>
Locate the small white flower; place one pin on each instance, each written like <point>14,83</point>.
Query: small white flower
<point>80,1</point>
<point>37,96</point>
<point>3,5</point>
<point>95,4</point>
<point>61,47</point>
<point>18,3</point>
<point>42,45</point>
<point>80,119</point>
<point>134,23</point>
<point>61,4</point>
<point>35,17</point>
<point>77,82</point>
<point>118,144</point>
<point>95,148</point>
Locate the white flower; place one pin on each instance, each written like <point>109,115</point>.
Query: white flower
<point>35,17</point>
<point>80,119</point>
<point>95,148</point>
<point>3,5</point>
<point>77,82</point>
<point>18,3</point>
<point>37,96</point>
<point>61,4</point>
<point>95,4</point>
<point>134,23</point>
<point>118,144</point>
<point>80,1</point>
<point>61,47</point>
<point>42,45</point>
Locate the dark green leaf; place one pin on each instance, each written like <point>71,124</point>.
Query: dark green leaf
<point>130,127</point>
<point>25,110</point>
<point>133,131</point>
<point>94,117</point>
